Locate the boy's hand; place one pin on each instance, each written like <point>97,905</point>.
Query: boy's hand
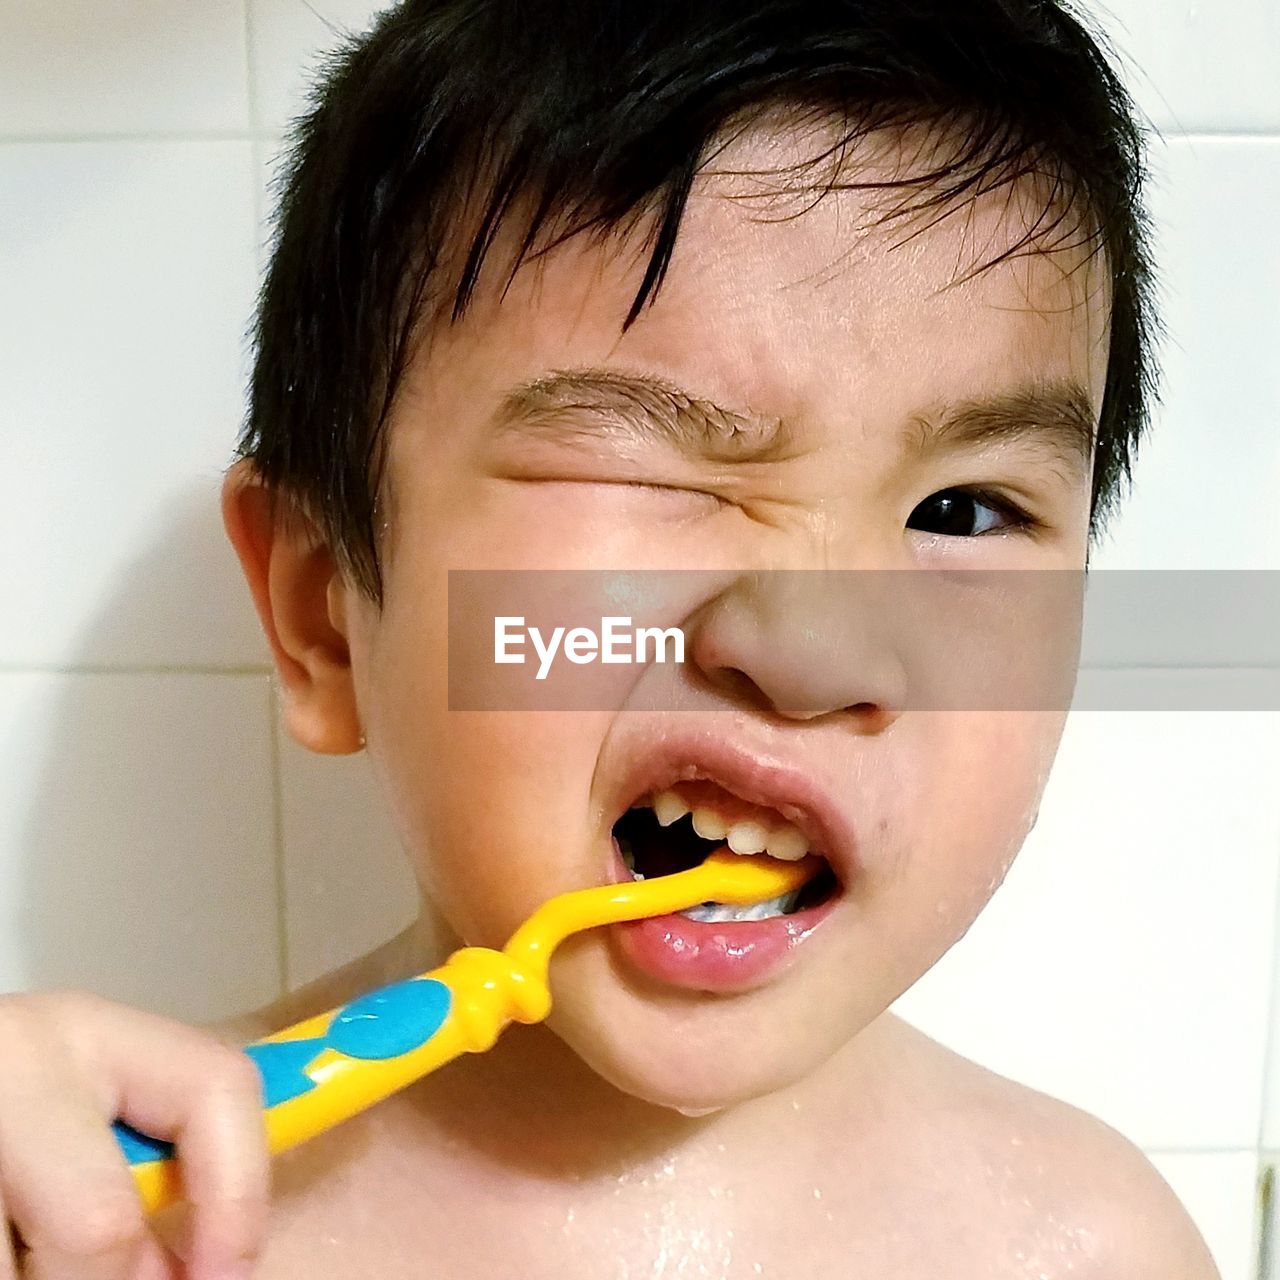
<point>70,1064</point>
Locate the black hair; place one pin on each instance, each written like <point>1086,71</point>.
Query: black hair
<point>592,116</point>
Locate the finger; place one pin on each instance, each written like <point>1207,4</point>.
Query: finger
<point>226,1170</point>
<point>66,1187</point>
<point>153,1261</point>
<point>116,1263</point>
<point>157,1263</point>
<point>179,1084</point>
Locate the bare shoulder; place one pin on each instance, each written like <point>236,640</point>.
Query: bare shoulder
<point>1073,1188</point>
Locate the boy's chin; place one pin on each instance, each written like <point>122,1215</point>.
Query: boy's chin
<point>677,1075</point>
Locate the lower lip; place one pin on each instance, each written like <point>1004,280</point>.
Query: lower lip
<point>725,956</point>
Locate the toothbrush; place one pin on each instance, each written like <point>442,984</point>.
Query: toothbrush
<point>329,1067</point>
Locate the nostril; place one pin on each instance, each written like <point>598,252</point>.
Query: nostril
<point>872,717</point>
<point>735,682</point>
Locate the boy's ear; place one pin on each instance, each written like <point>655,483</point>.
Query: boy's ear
<point>300,597</point>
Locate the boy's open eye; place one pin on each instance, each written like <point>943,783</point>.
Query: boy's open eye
<point>966,513</point>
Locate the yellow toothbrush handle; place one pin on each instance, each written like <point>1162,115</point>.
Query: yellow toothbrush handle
<point>327,1068</point>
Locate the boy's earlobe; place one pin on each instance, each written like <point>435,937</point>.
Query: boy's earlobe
<point>291,577</point>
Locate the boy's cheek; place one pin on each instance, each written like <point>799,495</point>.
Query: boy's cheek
<point>971,817</point>
<point>493,811</point>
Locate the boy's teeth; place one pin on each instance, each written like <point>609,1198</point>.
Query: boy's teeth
<point>716,912</point>
<point>786,843</point>
<point>669,808</point>
<point>747,837</point>
<point>709,825</point>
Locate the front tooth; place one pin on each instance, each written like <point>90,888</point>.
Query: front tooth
<point>709,825</point>
<point>747,837</point>
<point>669,808</point>
<point>787,843</point>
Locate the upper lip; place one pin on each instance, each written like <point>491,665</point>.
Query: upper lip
<point>757,776</point>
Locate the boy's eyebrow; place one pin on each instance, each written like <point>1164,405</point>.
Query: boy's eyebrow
<point>569,404</point>
<point>1056,414</point>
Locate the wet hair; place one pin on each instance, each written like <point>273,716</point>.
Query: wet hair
<point>452,119</point>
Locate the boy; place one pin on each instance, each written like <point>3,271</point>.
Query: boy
<point>727,287</point>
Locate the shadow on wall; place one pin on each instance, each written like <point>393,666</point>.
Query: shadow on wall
<point>149,840</point>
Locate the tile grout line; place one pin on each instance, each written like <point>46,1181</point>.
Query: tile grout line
<point>277,836</point>
<point>1264,1204</point>
<point>261,144</point>
<point>1269,1044</point>
<point>134,669</point>
<point>250,67</point>
<point>1264,1207</point>
<point>135,136</point>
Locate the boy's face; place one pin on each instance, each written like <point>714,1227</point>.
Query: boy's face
<point>777,313</point>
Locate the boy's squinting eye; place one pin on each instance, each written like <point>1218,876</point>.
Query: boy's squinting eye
<point>966,513</point>
<point>676,498</point>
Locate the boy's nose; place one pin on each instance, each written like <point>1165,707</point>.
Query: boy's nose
<point>805,644</point>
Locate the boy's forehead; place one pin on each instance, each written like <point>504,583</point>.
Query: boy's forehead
<point>794,303</point>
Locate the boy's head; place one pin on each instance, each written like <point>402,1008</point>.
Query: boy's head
<point>694,285</point>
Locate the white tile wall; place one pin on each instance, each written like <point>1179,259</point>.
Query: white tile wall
<point>136,851</point>
<point>1198,68</point>
<point>289,38</point>
<point>1271,1094</point>
<point>91,67</point>
<point>127,272</point>
<point>348,887</point>
<point>1129,962</point>
<point>1124,965</point>
<point>1196,506</point>
<point>1219,1189</point>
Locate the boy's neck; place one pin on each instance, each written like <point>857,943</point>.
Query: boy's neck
<point>531,1106</point>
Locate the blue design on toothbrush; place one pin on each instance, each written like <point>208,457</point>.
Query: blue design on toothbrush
<point>137,1147</point>
<point>378,1026</point>
<point>390,1022</point>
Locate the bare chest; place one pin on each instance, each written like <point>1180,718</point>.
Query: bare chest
<point>823,1228</point>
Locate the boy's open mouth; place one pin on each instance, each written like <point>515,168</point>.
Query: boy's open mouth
<point>678,827</point>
